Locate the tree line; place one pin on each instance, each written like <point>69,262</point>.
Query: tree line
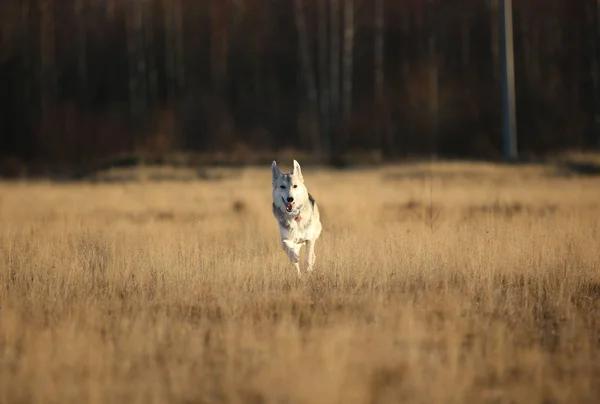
<point>84,79</point>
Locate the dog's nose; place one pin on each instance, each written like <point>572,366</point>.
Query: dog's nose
<point>290,199</point>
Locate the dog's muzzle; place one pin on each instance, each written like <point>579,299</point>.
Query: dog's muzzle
<point>289,206</point>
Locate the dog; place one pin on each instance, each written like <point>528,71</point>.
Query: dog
<point>297,214</point>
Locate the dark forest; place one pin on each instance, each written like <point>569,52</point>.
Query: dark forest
<point>83,80</point>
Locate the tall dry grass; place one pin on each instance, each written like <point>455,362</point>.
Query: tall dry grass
<point>450,283</point>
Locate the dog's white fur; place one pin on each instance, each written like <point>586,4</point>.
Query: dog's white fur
<point>297,213</point>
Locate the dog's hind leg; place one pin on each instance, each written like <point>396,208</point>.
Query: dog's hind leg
<point>310,254</point>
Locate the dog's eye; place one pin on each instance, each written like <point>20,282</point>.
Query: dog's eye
<point>295,186</point>
<point>282,186</point>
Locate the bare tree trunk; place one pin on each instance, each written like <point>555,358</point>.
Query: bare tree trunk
<point>219,45</point>
<point>139,55</point>
<point>26,83</point>
<point>47,56</point>
<point>495,38</point>
<point>434,103</point>
<point>525,27</point>
<point>137,64</point>
<point>179,43</point>
<point>81,14</point>
<point>379,31</point>
<point>323,67</point>
<point>536,40</point>
<point>508,81</point>
<point>406,30</point>
<point>334,83</point>
<point>592,11</point>
<point>308,73</point>
<point>348,58</point>
<point>133,24</point>
<point>384,121</point>
<point>595,73</point>
<point>115,89</point>
<point>530,39</point>
<point>170,49</point>
<point>174,51</point>
<point>150,54</point>
<point>174,62</point>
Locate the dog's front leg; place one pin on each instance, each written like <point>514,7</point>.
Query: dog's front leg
<point>293,251</point>
<point>310,254</point>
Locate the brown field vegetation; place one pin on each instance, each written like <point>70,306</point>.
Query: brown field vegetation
<point>434,283</point>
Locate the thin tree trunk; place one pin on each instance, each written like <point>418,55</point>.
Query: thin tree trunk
<point>495,38</point>
<point>508,81</point>
<point>406,30</point>
<point>81,14</point>
<point>178,25</point>
<point>536,41</point>
<point>115,89</point>
<point>323,67</point>
<point>595,73</point>
<point>131,57</point>
<point>530,39</point>
<point>379,45</point>
<point>334,84</point>
<point>384,124</point>
<point>219,45</point>
<point>525,27</point>
<point>434,102</point>
<point>308,73</point>
<point>595,65</point>
<point>47,56</point>
<point>26,82</point>
<point>348,58</point>
<point>170,49</point>
<point>137,64</point>
<point>174,62</point>
<point>140,57</point>
<point>150,53</point>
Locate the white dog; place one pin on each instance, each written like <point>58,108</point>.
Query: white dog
<point>297,214</point>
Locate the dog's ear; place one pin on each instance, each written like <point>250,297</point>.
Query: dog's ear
<point>297,171</point>
<point>275,170</point>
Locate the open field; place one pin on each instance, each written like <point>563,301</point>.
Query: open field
<point>434,283</point>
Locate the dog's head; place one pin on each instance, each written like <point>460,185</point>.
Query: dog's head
<point>289,192</point>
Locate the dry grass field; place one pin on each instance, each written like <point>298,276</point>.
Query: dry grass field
<point>445,283</point>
